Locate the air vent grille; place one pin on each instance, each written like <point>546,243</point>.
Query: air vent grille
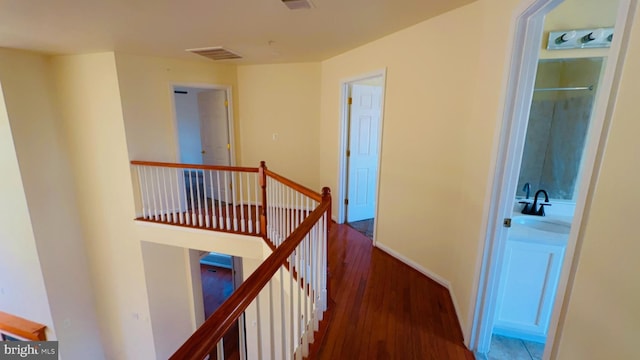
<point>216,53</point>
<point>298,4</point>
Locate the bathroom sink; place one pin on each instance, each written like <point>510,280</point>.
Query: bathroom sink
<point>544,224</point>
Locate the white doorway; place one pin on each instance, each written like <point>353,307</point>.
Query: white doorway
<point>497,250</point>
<point>363,100</point>
<point>204,126</point>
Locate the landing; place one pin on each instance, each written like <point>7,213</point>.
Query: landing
<point>384,309</point>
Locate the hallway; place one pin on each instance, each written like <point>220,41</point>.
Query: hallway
<point>383,309</point>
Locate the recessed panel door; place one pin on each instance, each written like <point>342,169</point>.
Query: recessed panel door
<point>364,122</point>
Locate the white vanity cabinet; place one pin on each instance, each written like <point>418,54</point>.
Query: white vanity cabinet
<point>528,282</point>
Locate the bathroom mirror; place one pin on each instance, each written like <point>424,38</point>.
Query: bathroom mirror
<point>561,109</point>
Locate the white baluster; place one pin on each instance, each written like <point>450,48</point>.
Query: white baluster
<point>226,201</point>
<point>220,349</point>
<point>233,200</point>
<point>292,340</point>
<point>142,189</point>
<point>270,219</point>
<point>258,201</point>
<point>271,321</point>
<point>283,226</point>
<point>153,193</point>
<point>276,219</point>
<point>305,274</point>
<point>157,193</point>
<point>180,189</point>
<point>214,218</point>
<point>289,211</point>
<point>220,218</point>
<point>325,259</point>
<point>242,338</point>
<point>200,219</point>
<point>166,196</point>
<point>258,327</point>
<point>314,276</point>
<point>191,203</point>
<point>149,206</point>
<point>162,194</point>
<point>174,218</point>
<point>249,211</point>
<point>207,220</point>
<point>241,191</point>
<point>300,318</point>
<point>283,326</point>
<point>298,209</point>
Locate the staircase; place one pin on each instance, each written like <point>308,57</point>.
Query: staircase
<point>283,302</point>
<point>377,306</point>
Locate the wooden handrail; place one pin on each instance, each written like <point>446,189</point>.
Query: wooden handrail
<point>294,185</point>
<point>194,166</point>
<point>206,337</point>
<point>17,326</point>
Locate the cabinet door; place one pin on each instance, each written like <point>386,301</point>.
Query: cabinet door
<point>527,289</point>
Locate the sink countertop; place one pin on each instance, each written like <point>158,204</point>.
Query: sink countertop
<point>521,232</point>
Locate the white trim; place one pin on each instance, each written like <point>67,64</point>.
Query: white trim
<point>513,131</point>
<point>344,133</point>
<point>230,122</point>
<point>428,273</point>
<point>528,35</point>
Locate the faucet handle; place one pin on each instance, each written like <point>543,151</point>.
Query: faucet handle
<point>525,209</point>
<point>541,210</point>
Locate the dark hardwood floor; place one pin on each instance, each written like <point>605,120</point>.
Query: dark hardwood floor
<point>217,286</point>
<point>383,309</point>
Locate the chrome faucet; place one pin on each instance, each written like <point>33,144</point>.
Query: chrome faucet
<point>540,211</point>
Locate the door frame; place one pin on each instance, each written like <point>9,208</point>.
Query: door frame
<point>343,177</point>
<point>528,32</point>
<point>204,86</point>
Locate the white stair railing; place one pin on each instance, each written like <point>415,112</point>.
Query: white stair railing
<point>212,197</point>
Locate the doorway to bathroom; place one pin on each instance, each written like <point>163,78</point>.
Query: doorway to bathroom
<point>363,99</point>
<point>555,117</point>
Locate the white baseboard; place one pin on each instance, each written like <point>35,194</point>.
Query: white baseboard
<point>430,274</point>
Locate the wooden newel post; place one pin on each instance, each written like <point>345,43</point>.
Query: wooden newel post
<point>262,171</point>
<point>326,196</point>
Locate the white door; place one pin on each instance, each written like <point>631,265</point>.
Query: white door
<point>364,118</point>
<point>214,127</point>
<point>216,149</point>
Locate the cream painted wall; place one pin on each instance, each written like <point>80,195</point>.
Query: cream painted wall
<point>48,186</point>
<point>602,317</point>
<point>169,291</point>
<point>283,99</point>
<point>23,295</point>
<point>442,108</point>
<point>147,100</point>
<point>87,87</point>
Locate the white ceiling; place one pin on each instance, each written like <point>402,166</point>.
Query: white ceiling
<point>167,27</point>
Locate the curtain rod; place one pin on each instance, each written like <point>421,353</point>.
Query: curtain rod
<point>590,87</point>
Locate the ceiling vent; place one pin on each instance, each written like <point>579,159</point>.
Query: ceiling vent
<point>216,53</point>
<point>298,4</point>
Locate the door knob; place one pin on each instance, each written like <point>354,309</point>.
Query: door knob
<point>202,152</point>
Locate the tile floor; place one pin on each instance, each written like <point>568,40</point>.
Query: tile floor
<point>506,348</point>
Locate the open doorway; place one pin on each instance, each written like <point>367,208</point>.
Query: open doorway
<point>221,274</point>
<point>204,124</point>
<point>522,306</point>
<point>363,100</point>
